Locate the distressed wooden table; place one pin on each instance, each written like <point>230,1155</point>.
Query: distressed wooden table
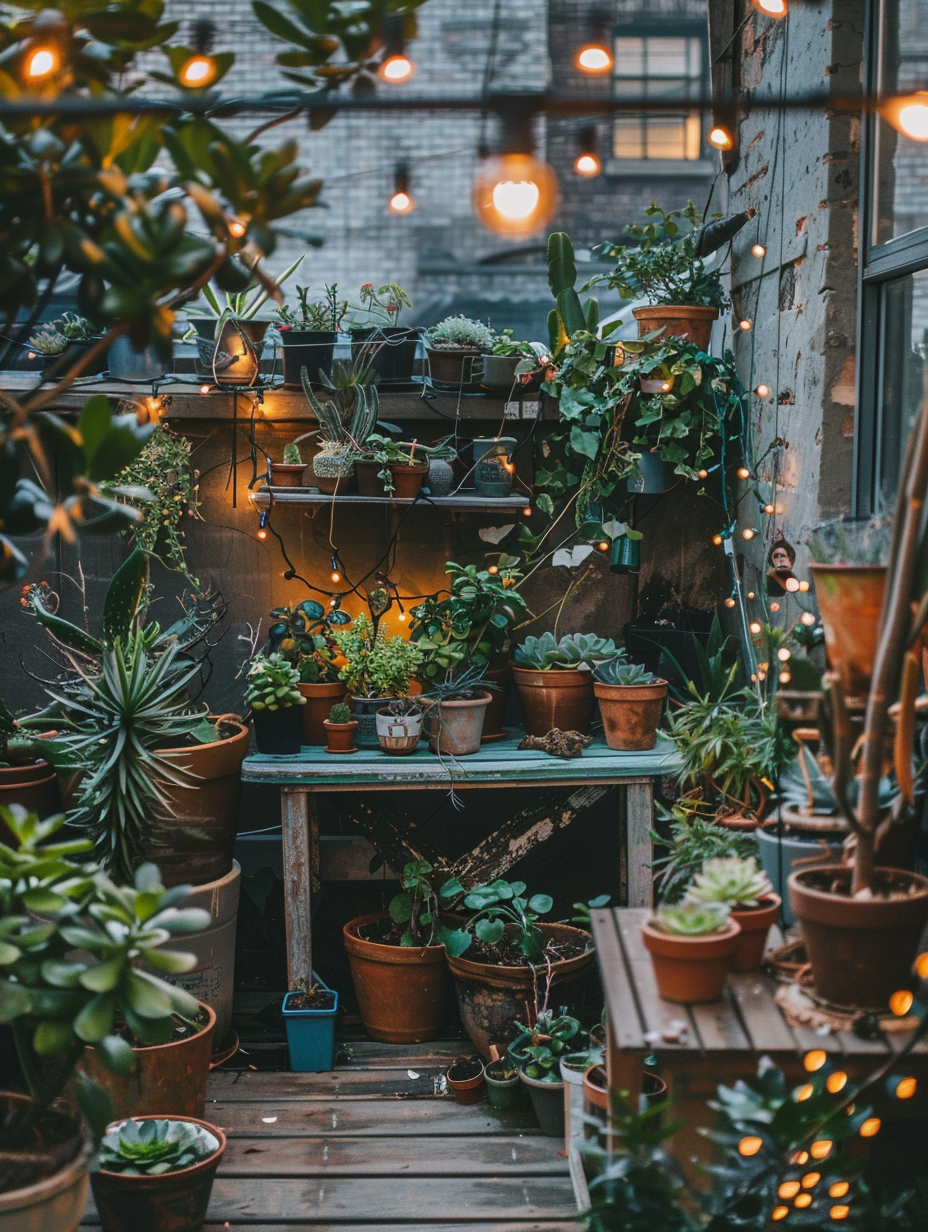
<point>302,777</point>
<point>724,1040</point>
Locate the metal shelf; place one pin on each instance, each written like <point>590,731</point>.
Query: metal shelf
<point>463,501</point>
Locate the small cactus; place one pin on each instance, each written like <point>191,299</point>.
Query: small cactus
<point>340,714</point>
<point>731,880</point>
<point>292,456</point>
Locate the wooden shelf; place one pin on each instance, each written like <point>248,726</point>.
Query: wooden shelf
<point>472,502</point>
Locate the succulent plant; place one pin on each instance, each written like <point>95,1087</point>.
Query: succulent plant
<point>339,714</point>
<point>47,341</point>
<point>620,671</point>
<point>574,650</point>
<point>539,1048</point>
<point>731,880</point>
<point>151,1148</point>
<point>460,333</point>
<point>272,683</point>
<point>292,455</point>
<point>689,919</point>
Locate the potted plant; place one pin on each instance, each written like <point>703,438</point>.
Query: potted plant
<point>493,465</point>
<point>57,1001</point>
<point>693,838</point>
<point>308,333</point>
<point>347,414</point>
<point>738,884</point>
<point>375,328</point>
<point>472,626</point>
<point>455,348</point>
<point>156,1173</point>
<point>512,364</point>
<point>340,728</point>
<point>398,963</point>
<point>68,338</point>
<point>274,698</point>
<point>504,1087</point>
<point>454,713</point>
<point>465,1078</point>
<point>664,264</point>
<point>309,1016</point>
<point>631,701</point>
<point>692,948</point>
<point>401,467</point>
<point>554,679</point>
<point>538,1050</point>
<point>399,726</point>
<point>289,472</point>
<point>303,634</point>
<point>25,777</point>
<point>502,952</point>
<point>376,667</point>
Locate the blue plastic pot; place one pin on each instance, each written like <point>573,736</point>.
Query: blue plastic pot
<point>311,1036</point>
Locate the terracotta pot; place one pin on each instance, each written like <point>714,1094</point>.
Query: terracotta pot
<point>339,737</point>
<point>556,698</point>
<point>197,842</point>
<point>55,1202</point>
<point>631,713</point>
<point>455,367</point>
<point>171,1202</point>
<point>743,823</point>
<point>407,480</point>
<point>401,990</point>
<point>689,322</point>
<point>861,951</point>
<point>287,474</point>
<point>367,474</point>
<point>168,1079</point>
<point>499,699</point>
<point>491,997</point>
<point>35,787</point>
<point>320,698</point>
<point>850,600</point>
<point>454,727</point>
<point>691,969</point>
<point>466,1090</point>
<point>755,925</point>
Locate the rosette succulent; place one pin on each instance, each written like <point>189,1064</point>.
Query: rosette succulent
<point>151,1148</point>
<point>731,880</point>
<point>619,671</point>
<point>574,650</point>
<point>691,919</point>
<point>272,683</point>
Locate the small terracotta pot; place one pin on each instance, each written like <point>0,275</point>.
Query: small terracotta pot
<point>455,726</point>
<point>691,970</point>
<point>320,698</point>
<point>401,990</point>
<point>631,713</point>
<point>287,475</point>
<point>407,480</point>
<point>367,474</point>
<point>339,737</point>
<point>850,599</point>
<point>755,925</point>
<point>35,787</point>
<point>744,823</point>
<point>466,1090</point>
<point>861,950</point>
<point>688,322</point>
<point>556,698</point>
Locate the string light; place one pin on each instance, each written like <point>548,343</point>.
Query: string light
<point>721,137</point>
<point>237,228</point>
<point>778,1213</point>
<point>788,1189</point>
<point>42,62</point>
<point>921,966</point>
<point>774,607</point>
<point>730,602</point>
<point>762,391</point>
<point>748,533</point>
<point>839,1212</point>
<point>768,508</point>
<point>836,1082</point>
<point>901,1002</point>
<point>803,1200</point>
<point>755,627</point>
<point>804,1093</point>
<point>751,594</point>
<point>717,540</point>
<point>603,545</point>
<point>527,511</point>
<point>811,1179</point>
<point>804,586</point>
<point>335,575</point>
<point>750,1145</point>
<point>396,67</point>
<point>758,250</point>
<point>262,523</point>
<point>771,8</point>
<point>807,619</point>
<point>401,202</point>
<point>838,1189</point>
<point>785,677</point>
<point>204,389</point>
<point>905,1088</point>
<point>792,585</point>
<point>745,325</point>
<point>703,474</point>
<point>587,163</point>
<point>198,72</point>
<point>784,656</point>
<point>908,115</point>
<point>594,58</point>
<point>743,472</point>
<point>870,1127</point>
<point>515,194</point>
<point>819,1149</point>
<point>494,569</point>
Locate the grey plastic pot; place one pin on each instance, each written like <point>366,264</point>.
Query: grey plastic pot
<point>548,1102</point>
<point>782,854</point>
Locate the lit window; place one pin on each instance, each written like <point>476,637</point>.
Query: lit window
<point>663,66</point>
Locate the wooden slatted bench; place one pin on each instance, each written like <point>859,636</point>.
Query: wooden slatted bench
<point>723,1041</point>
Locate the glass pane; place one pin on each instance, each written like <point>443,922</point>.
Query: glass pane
<point>666,137</point>
<point>628,137</point>
<point>902,200</point>
<point>903,360</point>
<point>630,87</point>
<point>695,58</point>
<point>667,57</point>
<point>693,137</point>
<point>629,57</point>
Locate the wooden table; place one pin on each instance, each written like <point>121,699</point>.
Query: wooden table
<point>302,777</point>
<point>724,1039</point>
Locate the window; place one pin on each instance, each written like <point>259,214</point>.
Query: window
<point>659,65</point>
<point>901,166</point>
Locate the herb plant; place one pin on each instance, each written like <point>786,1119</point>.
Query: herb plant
<point>152,1148</point>
<point>375,665</point>
<point>732,880</point>
<point>574,650</point>
<point>272,683</point>
<point>323,315</point>
<point>459,333</point>
<point>495,906</point>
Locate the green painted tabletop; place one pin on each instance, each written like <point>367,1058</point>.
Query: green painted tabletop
<point>502,762</point>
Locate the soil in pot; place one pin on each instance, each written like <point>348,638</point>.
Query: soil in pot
<point>320,698</point>
<point>278,731</point>
<point>465,1077</point>
<point>548,1102</point>
<point>861,950</point>
<point>172,1202</point>
<point>631,714</point>
<point>756,923</point>
<point>407,480</point>
<point>555,698</point>
<point>54,1141</point>
<point>691,970</point>
<point>455,726</point>
<point>401,990</point>
<point>504,1088</point>
<point>689,322</point>
<point>340,737</point>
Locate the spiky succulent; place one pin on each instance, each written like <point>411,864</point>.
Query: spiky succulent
<point>292,455</point>
<point>574,650</point>
<point>47,341</point>
<point>691,919</point>
<point>620,672</point>
<point>151,1148</point>
<point>272,683</point>
<point>340,714</point>
<point>731,880</point>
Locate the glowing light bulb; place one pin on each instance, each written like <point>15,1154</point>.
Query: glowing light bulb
<point>803,1200</point>
<point>836,1082</point>
<point>751,594</point>
<point>839,1211</point>
<point>335,576</point>
<point>396,69</point>
<point>717,540</point>
<point>401,203</point>
<point>527,511</point>
<point>745,324</point>
<point>921,966</point>
<point>603,545</point>
<point>743,472</point>
<point>771,8</point>
<point>402,617</point>
<point>666,386</point>
<point>804,1093</point>
<point>804,586</point>
<point>729,602</point>
<point>785,677</point>
<point>870,1127</point>
<point>807,619</point>
<point>42,63</point>
<point>905,1088</point>
<point>901,1002</point>
<point>788,1189</point>
<point>908,115</point>
<point>199,71</point>
<point>262,533</point>
<point>819,1149</point>
<point>784,656</point>
<point>755,627</point>
<point>703,474</point>
<point>778,1213</point>
<point>774,607</point>
<point>594,59</point>
<point>750,1145</point>
<point>758,250</point>
<point>762,391</point>
<point>768,509</point>
<point>721,137</point>
<point>237,228</point>
<point>493,569</point>
<point>588,165</point>
<point>792,585</point>
<point>204,389</point>
<point>838,1189</point>
<point>747,533</point>
<point>515,194</point>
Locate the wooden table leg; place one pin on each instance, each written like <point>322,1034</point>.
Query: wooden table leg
<point>295,822</point>
<point>638,848</point>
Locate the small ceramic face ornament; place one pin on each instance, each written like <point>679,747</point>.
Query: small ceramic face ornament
<point>780,561</point>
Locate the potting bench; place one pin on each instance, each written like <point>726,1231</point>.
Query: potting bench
<point>302,777</point>
<point>721,1041</point>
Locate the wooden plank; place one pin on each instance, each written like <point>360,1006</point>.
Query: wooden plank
<point>339,1084</point>
<point>658,1016</point>
<point>719,1026</point>
<point>767,1029</point>
<point>300,1224</point>
<point>503,1155</point>
<point>624,1017</point>
<point>295,823</point>
<point>638,847</point>
<point>381,1118</point>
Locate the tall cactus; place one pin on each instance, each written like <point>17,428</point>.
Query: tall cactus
<point>568,315</point>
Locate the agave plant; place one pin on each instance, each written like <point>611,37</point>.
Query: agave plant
<point>731,880</point>
<point>574,650</point>
<point>691,919</point>
<point>151,1148</point>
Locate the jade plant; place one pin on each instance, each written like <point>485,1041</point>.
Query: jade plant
<point>272,683</point>
<point>303,634</point>
<point>495,906</point>
<point>375,665</point>
<point>619,671</point>
<point>152,1148</point>
<point>731,880</point>
<point>538,1049</point>
<point>691,919</point>
<point>572,651</point>
<point>460,333</point>
<point>340,714</point>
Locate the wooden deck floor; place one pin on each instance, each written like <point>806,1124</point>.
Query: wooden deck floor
<point>371,1146</point>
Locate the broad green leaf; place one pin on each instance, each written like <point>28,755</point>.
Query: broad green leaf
<point>51,1037</point>
<point>489,931</point>
<point>116,1054</point>
<point>96,1018</point>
